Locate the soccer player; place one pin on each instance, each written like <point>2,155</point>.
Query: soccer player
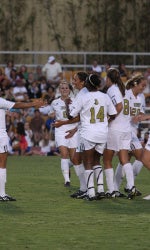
<point>66,146</point>
<point>119,135</point>
<point>78,82</point>
<point>135,87</point>
<point>93,108</point>
<point>7,105</point>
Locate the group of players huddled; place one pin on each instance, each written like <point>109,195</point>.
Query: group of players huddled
<point>96,125</point>
<point>90,129</point>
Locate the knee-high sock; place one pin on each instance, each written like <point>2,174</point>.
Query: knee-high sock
<point>128,170</point>
<point>89,176</point>
<point>2,181</point>
<point>98,172</point>
<point>118,177</point>
<point>109,173</point>
<point>80,172</point>
<point>65,169</point>
<point>137,166</point>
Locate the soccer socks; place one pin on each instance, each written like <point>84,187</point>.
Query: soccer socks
<point>109,173</point>
<point>118,177</point>
<point>80,172</point>
<point>98,172</point>
<point>137,166</point>
<point>89,176</point>
<point>65,169</point>
<point>2,181</point>
<point>128,170</point>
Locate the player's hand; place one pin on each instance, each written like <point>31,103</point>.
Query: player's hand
<point>58,124</point>
<point>38,103</point>
<point>70,132</point>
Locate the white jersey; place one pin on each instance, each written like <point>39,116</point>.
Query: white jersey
<point>4,106</point>
<point>59,108</point>
<point>78,96</point>
<point>136,107</point>
<point>93,108</point>
<point>122,121</point>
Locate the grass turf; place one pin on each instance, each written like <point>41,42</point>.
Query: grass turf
<point>44,217</point>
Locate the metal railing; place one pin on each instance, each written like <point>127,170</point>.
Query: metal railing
<point>40,57</point>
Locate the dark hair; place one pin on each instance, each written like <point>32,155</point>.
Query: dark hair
<point>20,128</point>
<point>114,75</point>
<point>135,80</point>
<point>93,81</point>
<point>82,76</point>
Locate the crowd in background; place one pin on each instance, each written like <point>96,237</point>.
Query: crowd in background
<point>30,131</point>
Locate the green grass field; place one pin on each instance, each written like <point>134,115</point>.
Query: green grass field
<point>45,217</point>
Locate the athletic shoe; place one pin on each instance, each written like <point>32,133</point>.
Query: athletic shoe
<point>8,198</point>
<point>1,199</point>
<point>147,197</point>
<point>110,195</point>
<point>87,198</point>
<point>100,195</point>
<point>119,194</point>
<point>132,193</point>
<point>137,193</point>
<point>67,184</point>
<point>78,195</point>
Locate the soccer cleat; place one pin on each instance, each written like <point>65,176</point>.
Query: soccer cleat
<point>87,198</point>
<point>147,197</point>
<point>131,193</point>
<point>137,193</point>
<point>67,184</point>
<point>79,194</point>
<point>1,199</point>
<point>110,195</point>
<point>119,194</point>
<point>100,195</point>
<point>8,198</point>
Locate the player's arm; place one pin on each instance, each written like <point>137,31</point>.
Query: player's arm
<point>59,123</point>
<point>140,118</point>
<point>37,103</point>
<point>119,107</point>
<point>71,132</point>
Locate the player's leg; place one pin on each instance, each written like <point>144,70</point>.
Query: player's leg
<point>3,173</point>
<point>98,173</point>
<point>109,172</point>
<point>88,161</point>
<point>65,164</point>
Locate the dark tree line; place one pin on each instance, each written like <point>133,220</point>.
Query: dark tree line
<point>75,25</point>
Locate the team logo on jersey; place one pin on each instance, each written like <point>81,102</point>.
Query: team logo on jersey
<point>96,102</point>
<point>137,105</point>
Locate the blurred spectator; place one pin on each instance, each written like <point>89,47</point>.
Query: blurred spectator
<point>20,144</point>
<point>30,80</point>
<point>46,147</point>
<point>122,70</point>
<point>38,73</point>
<point>52,71</point>
<point>4,81</point>
<point>147,76</point>
<point>23,72</point>
<point>43,85</point>
<point>20,90</point>
<point>96,69</point>
<point>36,124</point>
<point>34,90</point>
<point>28,136</point>
<point>8,68</point>
<point>13,77</point>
